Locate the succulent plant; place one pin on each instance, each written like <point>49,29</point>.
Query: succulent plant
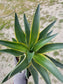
<point>31,47</point>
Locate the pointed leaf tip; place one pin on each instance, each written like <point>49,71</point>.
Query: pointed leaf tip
<point>24,15</point>
<point>34,35</point>
<point>38,9</point>
<point>20,35</point>
<point>44,32</point>
<point>38,6</point>
<point>27,29</point>
<point>15,15</point>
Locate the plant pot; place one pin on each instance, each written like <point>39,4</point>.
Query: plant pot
<point>20,78</point>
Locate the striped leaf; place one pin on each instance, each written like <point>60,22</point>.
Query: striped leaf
<point>44,32</point>
<point>48,65</point>
<point>42,42</point>
<point>17,46</point>
<point>30,56</point>
<point>35,27</point>
<point>43,72</point>
<point>27,29</point>
<point>58,64</point>
<point>20,36</point>
<point>51,47</point>
<point>34,74</point>
<point>11,51</point>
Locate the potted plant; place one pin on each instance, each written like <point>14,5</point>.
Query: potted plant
<point>30,48</point>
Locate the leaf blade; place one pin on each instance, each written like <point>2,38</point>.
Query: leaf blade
<point>51,47</point>
<point>11,51</point>
<point>28,74</point>
<point>14,45</point>
<point>34,74</point>
<point>30,56</point>
<point>42,72</point>
<point>44,32</point>
<point>14,40</point>
<point>42,42</point>
<point>58,64</point>
<point>27,29</point>
<point>48,65</point>
<point>20,36</point>
<point>35,27</point>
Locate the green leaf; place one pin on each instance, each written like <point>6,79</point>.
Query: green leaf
<point>51,47</point>
<point>20,59</point>
<point>34,74</point>
<point>43,72</point>
<point>49,33</point>
<point>28,74</point>
<point>43,33</point>
<point>34,34</point>
<point>48,65</point>
<point>11,51</point>
<point>20,67</point>
<point>20,36</point>
<point>27,29</point>
<point>17,46</point>
<point>5,79</point>
<point>42,42</point>
<point>58,64</point>
<point>30,56</point>
<point>14,40</point>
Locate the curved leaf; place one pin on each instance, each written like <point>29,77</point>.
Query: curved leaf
<point>20,67</point>
<point>43,72</point>
<point>35,27</point>
<point>42,42</point>
<point>43,33</point>
<point>58,64</point>
<point>17,46</point>
<point>20,59</point>
<point>34,74</point>
<point>11,51</point>
<point>27,29</point>
<point>51,47</point>
<point>48,65</point>
<point>20,36</point>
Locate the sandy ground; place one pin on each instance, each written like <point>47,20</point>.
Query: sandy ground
<point>49,12</point>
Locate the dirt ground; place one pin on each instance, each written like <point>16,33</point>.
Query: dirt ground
<point>50,10</point>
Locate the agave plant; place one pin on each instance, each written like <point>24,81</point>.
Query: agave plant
<point>31,47</point>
